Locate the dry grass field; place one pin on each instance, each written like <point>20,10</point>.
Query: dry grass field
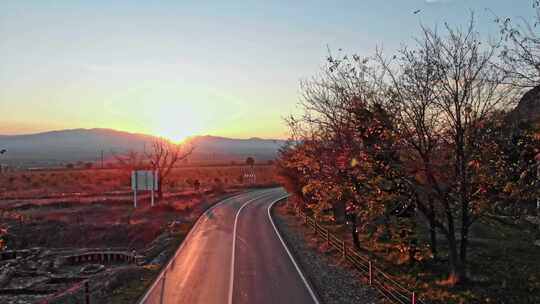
<point>94,208</point>
<point>81,182</point>
<point>54,212</point>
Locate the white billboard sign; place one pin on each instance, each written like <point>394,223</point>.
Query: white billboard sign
<point>144,180</point>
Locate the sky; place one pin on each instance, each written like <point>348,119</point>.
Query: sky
<point>182,68</point>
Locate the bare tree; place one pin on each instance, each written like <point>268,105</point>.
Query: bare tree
<point>521,54</point>
<point>444,92</point>
<point>132,160</point>
<point>345,135</point>
<point>164,156</point>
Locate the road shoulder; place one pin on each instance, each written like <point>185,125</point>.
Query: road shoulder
<point>334,280</point>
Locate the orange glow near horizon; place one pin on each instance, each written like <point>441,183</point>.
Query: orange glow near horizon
<point>177,127</point>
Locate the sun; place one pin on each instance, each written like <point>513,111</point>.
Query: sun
<point>178,125</point>
<point>178,131</point>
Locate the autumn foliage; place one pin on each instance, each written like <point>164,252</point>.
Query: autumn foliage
<point>421,134</point>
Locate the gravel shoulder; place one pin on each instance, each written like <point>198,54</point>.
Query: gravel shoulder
<point>332,278</point>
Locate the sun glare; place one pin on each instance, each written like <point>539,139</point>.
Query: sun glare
<point>178,124</point>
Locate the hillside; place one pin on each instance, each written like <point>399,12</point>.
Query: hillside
<point>528,107</point>
<point>59,147</point>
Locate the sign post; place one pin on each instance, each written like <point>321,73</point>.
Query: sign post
<point>152,199</point>
<point>134,187</point>
<point>145,180</point>
<point>154,186</point>
<point>135,197</point>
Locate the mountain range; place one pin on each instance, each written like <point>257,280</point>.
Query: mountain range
<point>57,148</point>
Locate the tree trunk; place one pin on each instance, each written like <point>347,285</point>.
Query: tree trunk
<point>463,246</point>
<point>454,265</point>
<point>433,240</point>
<point>354,227</point>
<point>160,188</point>
<point>432,230</point>
<point>339,211</point>
<point>463,183</point>
<point>455,275</point>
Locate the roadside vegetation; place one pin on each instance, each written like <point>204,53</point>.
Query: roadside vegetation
<point>420,158</point>
<point>49,214</point>
<point>91,182</point>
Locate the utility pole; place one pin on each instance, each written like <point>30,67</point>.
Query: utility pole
<point>101,159</point>
<point>2,151</point>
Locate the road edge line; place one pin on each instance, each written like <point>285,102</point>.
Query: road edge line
<point>298,269</point>
<point>231,276</point>
<point>165,269</point>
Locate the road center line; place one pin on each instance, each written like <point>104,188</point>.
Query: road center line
<point>313,296</point>
<point>194,228</point>
<point>231,278</point>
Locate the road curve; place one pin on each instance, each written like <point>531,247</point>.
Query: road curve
<point>233,254</point>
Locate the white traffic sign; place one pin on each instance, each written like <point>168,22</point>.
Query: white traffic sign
<point>145,180</point>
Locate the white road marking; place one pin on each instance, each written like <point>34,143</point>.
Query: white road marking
<point>313,296</point>
<point>162,273</point>
<point>231,277</point>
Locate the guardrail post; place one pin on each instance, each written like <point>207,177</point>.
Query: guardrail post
<point>86,292</point>
<point>370,273</point>
<point>413,299</point>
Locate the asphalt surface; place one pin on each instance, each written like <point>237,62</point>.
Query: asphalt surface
<point>233,254</point>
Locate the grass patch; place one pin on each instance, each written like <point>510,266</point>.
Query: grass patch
<point>133,288</point>
<point>503,263</point>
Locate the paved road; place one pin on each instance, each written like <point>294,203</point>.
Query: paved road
<point>233,254</point>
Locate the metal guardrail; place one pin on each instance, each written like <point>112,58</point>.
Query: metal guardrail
<point>381,281</point>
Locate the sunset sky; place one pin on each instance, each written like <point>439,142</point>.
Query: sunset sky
<point>179,68</point>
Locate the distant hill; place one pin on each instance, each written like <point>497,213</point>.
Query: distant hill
<point>212,147</point>
<point>528,107</point>
<point>65,146</point>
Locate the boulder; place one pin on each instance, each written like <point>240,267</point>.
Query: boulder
<point>6,275</point>
<point>92,269</point>
<point>528,107</point>
<point>59,261</point>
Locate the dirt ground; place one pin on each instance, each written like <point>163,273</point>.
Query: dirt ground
<point>47,215</point>
<point>97,221</point>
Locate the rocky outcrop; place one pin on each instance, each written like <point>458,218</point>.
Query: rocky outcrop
<point>528,107</point>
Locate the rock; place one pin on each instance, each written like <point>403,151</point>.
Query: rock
<point>45,266</point>
<point>35,251</point>
<point>59,261</point>
<point>528,107</point>
<point>533,220</point>
<point>31,265</point>
<point>161,259</point>
<point>5,276</point>
<point>92,269</point>
<point>45,253</point>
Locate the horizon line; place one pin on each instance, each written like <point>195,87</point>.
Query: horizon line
<point>132,133</point>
